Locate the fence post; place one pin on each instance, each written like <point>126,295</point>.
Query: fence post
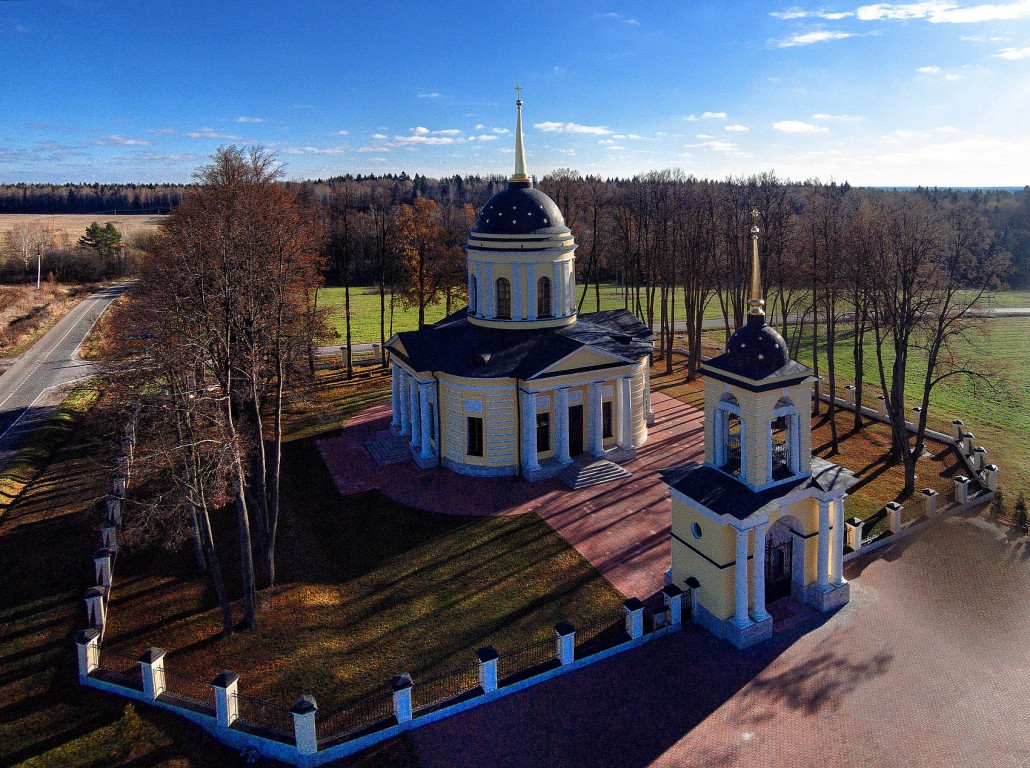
<point>152,668</point>
<point>565,640</point>
<point>401,685</point>
<point>118,485</point>
<point>487,668</point>
<point>227,708</point>
<point>961,489</point>
<point>634,618</point>
<point>88,643</point>
<point>929,501</point>
<point>114,511</point>
<point>881,407</point>
<point>109,537</point>
<point>96,613</point>
<point>849,395</point>
<point>958,428</point>
<point>304,725</point>
<point>854,528</point>
<point>674,602</point>
<point>695,599</point>
<point>894,512</point>
<point>967,443</point>
<point>991,473</point>
<point>979,458</point>
<point>102,567</point>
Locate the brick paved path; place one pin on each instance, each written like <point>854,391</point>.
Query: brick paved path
<point>621,527</point>
<point>927,667</point>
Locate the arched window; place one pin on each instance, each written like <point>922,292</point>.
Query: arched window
<point>503,298</point>
<point>543,297</point>
<point>728,455</point>
<point>473,294</point>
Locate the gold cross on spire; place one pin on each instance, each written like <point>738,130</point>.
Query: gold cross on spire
<point>756,303</point>
<point>518,93</point>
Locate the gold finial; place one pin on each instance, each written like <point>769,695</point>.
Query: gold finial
<point>520,155</point>
<point>757,303</point>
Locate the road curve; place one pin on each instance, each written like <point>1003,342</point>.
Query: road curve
<point>50,363</point>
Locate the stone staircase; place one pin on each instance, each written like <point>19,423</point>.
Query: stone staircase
<point>388,448</point>
<point>586,472</point>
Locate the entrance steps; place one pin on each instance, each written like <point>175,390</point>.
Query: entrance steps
<point>388,448</point>
<point>584,473</point>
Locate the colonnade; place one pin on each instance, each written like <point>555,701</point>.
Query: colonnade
<point>413,402</point>
<point>482,285</point>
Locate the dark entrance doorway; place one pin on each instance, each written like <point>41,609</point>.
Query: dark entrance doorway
<point>575,430</point>
<point>777,570</point>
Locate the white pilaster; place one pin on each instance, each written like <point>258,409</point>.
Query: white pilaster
<point>425,431</point>
<point>758,574</point>
<point>395,398</point>
<point>516,292</point>
<point>647,392</point>
<point>404,392</point>
<point>625,431</point>
<point>531,291</point>
<point>416,417</point>
<point>823,562</point>
<point>473,286</point>
<point>740,617</point>
<point>570,287</point>
<point>561,415</point>
<point>557,291</point>
<point>480,290</point>
<point>595,424</point>
<point>837,552</point>
<point>490,292</point>
<point>529,457</point>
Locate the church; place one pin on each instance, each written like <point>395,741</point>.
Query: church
<point>761,518</point>
<point>519,383</point>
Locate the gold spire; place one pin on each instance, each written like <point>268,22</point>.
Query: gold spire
<point>520,156</point>
<point>757,303</point>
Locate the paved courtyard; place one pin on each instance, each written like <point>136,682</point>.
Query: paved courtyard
<point>929,665</point>
<point>622,527</point>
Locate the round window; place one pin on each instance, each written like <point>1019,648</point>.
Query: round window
<point>696,530</point>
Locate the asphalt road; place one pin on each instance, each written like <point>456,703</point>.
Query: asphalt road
<point>29,387</point>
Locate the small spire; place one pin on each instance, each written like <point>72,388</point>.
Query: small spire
<point>520,156</point>
<point>757,303</point>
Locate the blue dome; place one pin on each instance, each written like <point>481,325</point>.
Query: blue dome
<point>756,349</point>
<point>520,210</point>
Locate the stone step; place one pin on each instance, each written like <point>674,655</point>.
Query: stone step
<point>389,449</point>
<point>592,472</point>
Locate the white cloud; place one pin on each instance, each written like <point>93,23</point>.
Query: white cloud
<point>250,119</point>
<point>429,95</point>
<point>289,150</point>
<point>946,129</point>
<point>447,132</point>
<point>615,147</point>
<point>479,127</point>
<point>928,70</point>
<point>720,146</point>
<point>799,13</point>
<point>937,12</point>
<point>500,130</point>
<point>704,136</point>
<point>342,133</point>
<point>420,130</point>
<point>953,77</point>
<point>379,136</point>
<point>606,141</point>
<point>797,126</point>
<point>707,116</point>
<point>1013,54</point>
<point>484,137</point>
<point>210,133</point>
<point>613,16</point>
<point>735,128</point>
<point>842,118</point>
<point>422,139</point>
<point>116,140</point>
<point>553,127</point>
<point>808,38</point>
<point>633,136</point>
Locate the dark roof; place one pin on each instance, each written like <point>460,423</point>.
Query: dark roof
<point>520,210</point>
<point>460,348</point>
<point>756,351</point>
<point>725,495</point>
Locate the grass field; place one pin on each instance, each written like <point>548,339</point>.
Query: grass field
<point>71,226</point>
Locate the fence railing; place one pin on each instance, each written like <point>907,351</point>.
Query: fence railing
<point>121,668</point>
<point>261,715</point>
<point>520,660</point>
<point>190,689</point>
<point>601,635</point>
<point>356,717</point>
<point>450,685</point>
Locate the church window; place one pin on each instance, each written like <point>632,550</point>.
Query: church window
<point>475,436</point>
<point>543,431</point>
<point>695,529</point>
<point>503,298</point>
<point>473,291</point>
<point>543,297</point>
<point>606,419</point>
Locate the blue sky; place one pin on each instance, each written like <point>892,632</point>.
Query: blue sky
<point>933,93</point>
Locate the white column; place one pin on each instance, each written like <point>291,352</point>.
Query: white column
<point>837,553</point>
<point>795,443</point>
<point>758,573</point>
<point>625,431</point>
<point>490,292</point>
<point>480,290</point>
<point>823,562</point>
<point>719,437</point>
<point>395,399</point>
<point>561,415</point>
<point>595,425</point>
<point>740,617</point>
<point>404,392</point>
<point>416,419</point>
<point>516,292</point>
<point>529,457</point>
<point>647,392</point>
<point>557,291</point>
<point>425,430</point>
<point>471,275</point>
<point>570,287</point>
<point>531,290</point>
